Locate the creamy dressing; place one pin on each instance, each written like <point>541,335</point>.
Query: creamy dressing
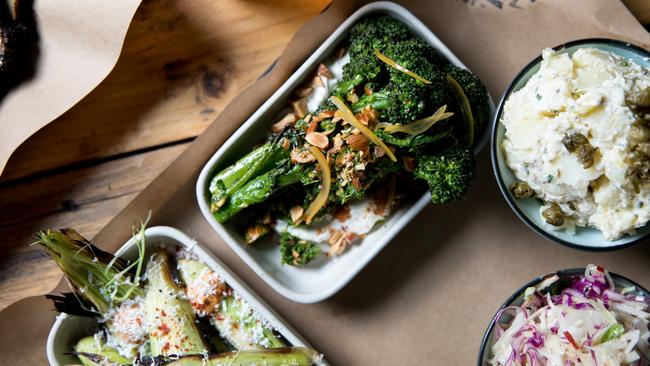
<point>589,93</point>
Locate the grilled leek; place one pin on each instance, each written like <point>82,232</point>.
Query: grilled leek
<point>232,316</point>
<point>170,319</point>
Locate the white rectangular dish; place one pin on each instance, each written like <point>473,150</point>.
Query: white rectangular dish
<point>68,329</point>
<point>313,283</point>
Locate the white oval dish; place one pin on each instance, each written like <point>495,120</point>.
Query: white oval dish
<point>68,329</point>
<point>314,283</point>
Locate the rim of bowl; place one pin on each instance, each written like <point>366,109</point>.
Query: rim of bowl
<point>493,147</point>
<point>561,273</point>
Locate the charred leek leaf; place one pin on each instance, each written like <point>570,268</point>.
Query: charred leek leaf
<point>95,275</point>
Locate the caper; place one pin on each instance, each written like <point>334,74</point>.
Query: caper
<point>639,172</point>
<point>573,141</point>
<point>522,190</point>
<point>585,155</point>
<point>642,148</point>
<point>579,144</point>
<point>553,215</point>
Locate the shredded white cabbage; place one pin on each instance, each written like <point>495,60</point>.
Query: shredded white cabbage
<point>588,323</point>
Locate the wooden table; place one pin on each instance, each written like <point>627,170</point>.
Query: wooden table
<point>182,62</point>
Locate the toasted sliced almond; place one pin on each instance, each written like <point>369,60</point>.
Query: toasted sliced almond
<point>335,236</point>
<point>357,142</point>
<point>288,119</point>
<point>324,71</point>
<point>308,118</point>
<point>296,213</point>
<point>338,143</point>
<point>300,107</point>
<point>301,156</point>
<point>326,114</point>
<point>317,82</point>
<point>352,97</point>
<point>373,115</point>
<point>304,92</point>
<point>255,232</point>
<point>362,117</point>
<point>409,163</point>
<point>317,139</point>
<point>313,125</point>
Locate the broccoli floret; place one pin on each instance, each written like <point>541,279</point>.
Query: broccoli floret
<point>417,46</point>
<point>295,251</point>
<point>476,94</point>
<point>410,98</point>
<point>448,173</point>
<point>370,33</point>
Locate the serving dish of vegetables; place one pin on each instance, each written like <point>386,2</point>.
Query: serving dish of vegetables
<point>169,303</point>
<point>380,116</point>
<point>574,317</point>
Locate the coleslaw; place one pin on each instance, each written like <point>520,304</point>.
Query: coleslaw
<point>577,320</point>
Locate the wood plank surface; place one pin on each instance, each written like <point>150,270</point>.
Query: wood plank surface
<point>182,62</point>
<point>640,9</point>
<point>84,199</point>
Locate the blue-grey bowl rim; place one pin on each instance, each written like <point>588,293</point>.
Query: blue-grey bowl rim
<point>561,273</point>
<point>493,145</point>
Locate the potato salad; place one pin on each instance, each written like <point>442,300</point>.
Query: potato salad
<point>577,138</point>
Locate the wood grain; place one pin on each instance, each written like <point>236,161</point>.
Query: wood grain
<point>640,9</point>
<point>84,199</point>
<point>182,62</point>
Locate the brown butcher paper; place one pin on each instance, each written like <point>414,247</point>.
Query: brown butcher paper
<point>427,298</point>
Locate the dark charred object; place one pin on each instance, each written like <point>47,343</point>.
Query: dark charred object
<point>18,43</point>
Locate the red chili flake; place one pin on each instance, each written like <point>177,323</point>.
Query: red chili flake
<point>573,342</point>
<point>600,268</point>
<point>164,329</point>
<point>166,346</point>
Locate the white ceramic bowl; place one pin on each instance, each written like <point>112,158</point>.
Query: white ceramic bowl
<point>68,329</point>
<point>528,209</point>
<point>312,283</point>
<point>516,299</point>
